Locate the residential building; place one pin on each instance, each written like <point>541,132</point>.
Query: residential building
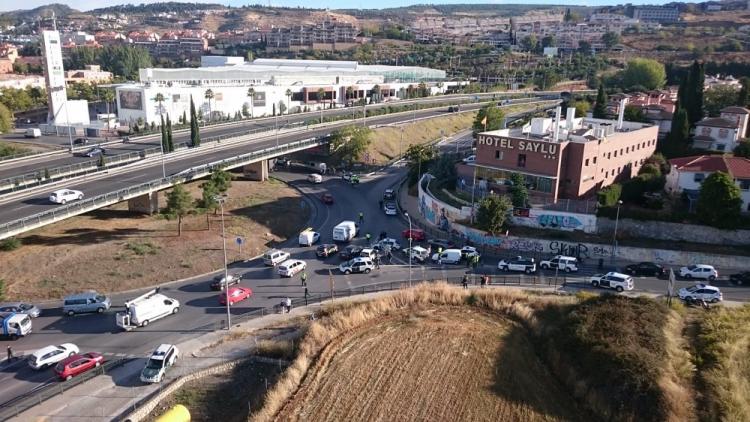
<point>8,56</point>
<point>571,158</point>
<point>91,74</point>
<point>656,14</point>
<point>687,174</point>
<point>722,133</point>
<point>324,35</point>
<point>10,80</point>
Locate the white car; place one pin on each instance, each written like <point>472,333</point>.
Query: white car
<point>390,208</point>
<point>520,264</point>
<point>701,291</point>
<point>50,355</point>
<point>469,252</point>
<point>64,196</point>
<point>562,263</point>
<point>418,253</point>
<point>612,280</point>
<point>315,178</point>
<point>163,357</point>
<point>357,265</point>
<point>290,267</point>
<point>470,159</point>
<point>705,272</point>
<point>390,243</point>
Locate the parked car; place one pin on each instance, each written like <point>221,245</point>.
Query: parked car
<point>32,133</point>
<point>740,278</point>
<point>521,264</point>
<point>314,178</point>
<point>701,271</point>
<point>81,141</point>
<point>612,280</point>
<point>164,357</point>
<point>436,244</point>
<point>562,263</point>
<point>357,265</point>
<point>350,252</point>
<point>646,268</point>
<point>417,253</point>
<point>390,208</point>
<point>413,234</point>
<point>50,355</point>
<point>93,152</point>
<point>448,256</point>
<point>369,253</point>
<point>78,364</point>
<point>701,292</point>
<point>469,252</point>
<point>327,198</point>
<point>390,243</point>
<point>236,294</point>
<point>389,195</point>
<point>326,250</point>
<point>275,256</point>
<point>21,308</point>
<point>220,282</point>
<point>63,196</point>
<point>290,267</point>
<point>85,302</point>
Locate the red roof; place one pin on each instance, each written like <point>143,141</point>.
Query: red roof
<point>737,167</point>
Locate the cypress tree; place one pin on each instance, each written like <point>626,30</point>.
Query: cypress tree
<point>163,135</point>
<point>677,140</point>
<point>600,108</point>
<point>195,137</point>
<point>170,143</point>
<point>692,98</point>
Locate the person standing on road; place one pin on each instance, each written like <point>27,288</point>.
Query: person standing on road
<point>303,277</point>
<point>307,294</point>
<point>367,238</point>
<point>377,262</point>
<point>465,281</point>
<point>361,217</point>
<point>10,354</point>
<point>288,304</point>
<point>389,255</point>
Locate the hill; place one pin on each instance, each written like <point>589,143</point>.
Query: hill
<point>60,11</point>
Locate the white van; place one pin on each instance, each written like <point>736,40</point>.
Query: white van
<point>448,256</point>
<point>146,308</point>
<point>344,231</point>
<point>308,237</point>
<point>290,267</point>
<point>275,256</point>
<point>32,133</point>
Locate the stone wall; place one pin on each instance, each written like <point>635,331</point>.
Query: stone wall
<point>674,231</point>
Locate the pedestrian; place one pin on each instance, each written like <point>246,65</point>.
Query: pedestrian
<point>389,255</point>
<point>367,238</point>
<point>10,354</point>
<point>303,276</point>
<point>288,304</point>
<point>465,281</point>
<point>361,217</point>
<point>307,294</point>
<point>377,262</point>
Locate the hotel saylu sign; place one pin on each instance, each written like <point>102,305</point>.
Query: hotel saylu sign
<point>544,148</point>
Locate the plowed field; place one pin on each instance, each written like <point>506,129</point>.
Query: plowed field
<point>442,364</point>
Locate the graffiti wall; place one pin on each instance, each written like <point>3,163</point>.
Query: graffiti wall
<point>440,213</point>
<point>543,219</point>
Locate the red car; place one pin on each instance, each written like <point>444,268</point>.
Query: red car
<point>78,364</point>
<point>236,294</point>
<point>414,234</point>
<point>327,198</point>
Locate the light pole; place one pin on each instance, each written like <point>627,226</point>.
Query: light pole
<point>411,252</point>
<point>364,113</point>
<point>473,187</point>
<point>220,200</point>
<point>276,125</point>
<point>401,144</point>
<point>614,236</point>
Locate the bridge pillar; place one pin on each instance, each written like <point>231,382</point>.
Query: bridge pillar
<point>256,171</point>
<point>146,204</point>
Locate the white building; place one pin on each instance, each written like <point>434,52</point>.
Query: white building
<point>61,111</point>
<point>341,82</point>
<point>687,174</point>
<point>722,133</point>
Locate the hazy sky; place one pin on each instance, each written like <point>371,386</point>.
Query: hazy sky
<point>6,5</point>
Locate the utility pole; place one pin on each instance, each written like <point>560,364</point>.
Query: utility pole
<point>220,200</point>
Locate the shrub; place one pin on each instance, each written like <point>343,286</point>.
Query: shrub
<point>10,244</point>
<point>609,195</point>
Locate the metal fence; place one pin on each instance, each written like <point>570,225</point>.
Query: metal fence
<point>579,206</point>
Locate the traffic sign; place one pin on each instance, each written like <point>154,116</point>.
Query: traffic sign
<point>240,241</point>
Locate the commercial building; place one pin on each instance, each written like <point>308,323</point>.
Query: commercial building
<point>656,14</point>
<point>687,174</point>
<point>570,158</point>
<point>340,82</point>
<point>91,74</point>
<point>722,133</point>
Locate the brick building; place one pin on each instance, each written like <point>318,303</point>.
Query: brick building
<point>581,157</point>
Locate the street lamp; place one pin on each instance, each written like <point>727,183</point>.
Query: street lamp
<point>614,236</point>
<point>220,200</point>
<point>411,252</point>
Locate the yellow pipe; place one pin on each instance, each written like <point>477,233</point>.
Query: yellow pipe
<point>179,413</point>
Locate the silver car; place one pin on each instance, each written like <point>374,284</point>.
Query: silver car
<point>21,308</point>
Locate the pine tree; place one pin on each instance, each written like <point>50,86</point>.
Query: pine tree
<point>600,108</point>
<point>170,143</point>
<point>195,136</point>
<point>677,140</point>
<point>163,135</point>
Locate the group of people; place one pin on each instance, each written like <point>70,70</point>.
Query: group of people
<point>484,280</point>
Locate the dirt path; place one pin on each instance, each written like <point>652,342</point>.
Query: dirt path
<point>114,250</point>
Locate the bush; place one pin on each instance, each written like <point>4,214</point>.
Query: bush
<point>10,244</point>
<point>609,195</point>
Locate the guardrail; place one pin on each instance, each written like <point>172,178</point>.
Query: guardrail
<point>21,225</point>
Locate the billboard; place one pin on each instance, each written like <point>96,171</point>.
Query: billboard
<point>259,99</point>
<point>131,100</point>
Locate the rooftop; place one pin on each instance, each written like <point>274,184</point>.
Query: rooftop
<point>735,110</point>
<point>737,167</point>
<point>717,122</point>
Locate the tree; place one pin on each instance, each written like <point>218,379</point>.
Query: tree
<point>222,180</point>
<point>529,43</point>
<point>635,114</point>
<point>251,95</point>
<point>375,96</point>
<point>163,127</point>
<point>518,193</point>
<point>179,204</point>
<point>718,97</point>
<point>418,155</point>
<point>422,89</point>
<point>493,213</point>
<point>108,96</point>
<point>582,107</point>
<point>282,107</point>
<point>742,149</point>
<point>288,99</point>
<point>208,200</point>
<point>444,170</point>
<point>584,47</point>
<point>321,95</point>
<point>647,73</point>
<point>170,141</point>
<point>549,41</point>
<point>720,201</point>
<point>350,143</point>
<point>742,95</point>
<point>349,92</point>
<point>677,140</point>
<point>600,107</point>
<point>209,95</point>
<point>546,79</point>
<point>195,136</point>
<point>610,39</point>
<point>692,98</point>
<point>6,119</point>
<point>489,117</point>
<point>159,98</point>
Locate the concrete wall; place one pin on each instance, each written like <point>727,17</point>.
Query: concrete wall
<point>675,231</point>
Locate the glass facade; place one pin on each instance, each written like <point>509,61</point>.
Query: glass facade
<point>502,178</point>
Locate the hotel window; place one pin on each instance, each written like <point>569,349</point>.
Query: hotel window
<point>627,150</point>
<point>745,184</point>
<point>521,160</point>
<point>615,153</point>
<point>586,163</point>
<point>698,177</point>
<point>594,160</point>
<point>620,151</point>
<point>498,154</point>
<point>606,175</point>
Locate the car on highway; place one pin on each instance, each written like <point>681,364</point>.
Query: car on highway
<point>351,178</point>
<point>275,256</point>
<point>470,159</point>
<point>164,357</point>
<point>81,141</point>
<point>314,178</point>
<point>612,280</point>
<point>701,271</point>
<point>290,267</point>
<point>32,133</point>
<point>448,256</point>
<point>327,198</point>
<point>350,252</point>
<point>389,242</point>
<point>85,302</point>
<point>50,355</point>
<point>701,292</point>
<point>236,294</point>
<point>469,252</point>
<point>308,237</point>
<point>414,234</point>
<point>78,364</point>
<point>646,269</point>
<point>93,152</point>
<point>357,265</point>
<point>389,195</point>
<point>21,308</point>
<point>560,262</point>
<point>369,253</point>
<point>220,282</point>
<point>519,263</point>
<point>417,253</point>
<point>325,250</point>
<point>740,278</point>
<point>390,208</point>
<point>454,109</point>
<point>63,196</point>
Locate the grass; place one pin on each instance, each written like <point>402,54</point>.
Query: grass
<point>7,149</point>
<point>142,248</point>
<point>10,244</point>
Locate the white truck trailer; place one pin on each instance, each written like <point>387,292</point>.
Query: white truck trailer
<point>149,307</point>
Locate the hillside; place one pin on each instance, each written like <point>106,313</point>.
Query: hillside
<point>60,11</point>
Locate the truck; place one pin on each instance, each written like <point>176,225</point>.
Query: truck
<point>344,231</point>
<point>146,308</point>
<point>308,237</point>
<point>14,325</point>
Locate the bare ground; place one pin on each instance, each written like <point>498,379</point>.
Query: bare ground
<point>114,250</point>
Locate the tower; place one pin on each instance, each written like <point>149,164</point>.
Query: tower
<point>54,77</point>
